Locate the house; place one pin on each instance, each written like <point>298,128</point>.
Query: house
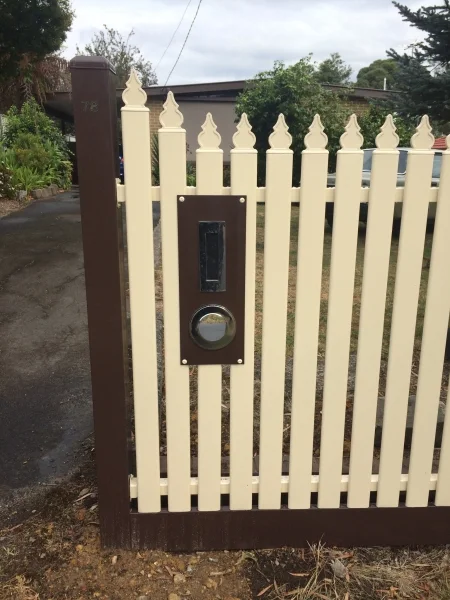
<point>195,100</point>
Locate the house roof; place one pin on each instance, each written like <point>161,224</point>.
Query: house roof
<point>440,143</point>
<point>59,104</point>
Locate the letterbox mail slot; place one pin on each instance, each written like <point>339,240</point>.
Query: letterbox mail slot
<point>211,252</point>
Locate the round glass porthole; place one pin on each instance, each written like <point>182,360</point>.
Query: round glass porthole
<point>212,327</point>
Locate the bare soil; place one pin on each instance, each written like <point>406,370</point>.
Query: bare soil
<point>50,550</point>
<point>8,206</point>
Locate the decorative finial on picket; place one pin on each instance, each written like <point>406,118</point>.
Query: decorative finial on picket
<point>316,139</point>
<point>352,138</point>
<point>280,138</point>
<point>209,137</point>
<point>387,139</point>
<point>423,139</point>
<point>244,137</point>
<point>171,117</point>
<point>133,94</point>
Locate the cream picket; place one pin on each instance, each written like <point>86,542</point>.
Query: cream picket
<point>433,346</point>
<point>278,195</point>
<point>136,148</point>
<point>407,282</point>
<point>172,173</point>
<point>275,288</point>
<point>209,181</point>
<point>340,304</point>
<point>243,181</point>
<point>309,277</point>
<point>373,300</point>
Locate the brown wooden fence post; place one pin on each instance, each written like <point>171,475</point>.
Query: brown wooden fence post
<point>95,112</point>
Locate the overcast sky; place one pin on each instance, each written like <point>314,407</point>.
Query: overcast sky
<point>234,39</point>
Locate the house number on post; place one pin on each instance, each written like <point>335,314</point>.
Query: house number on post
<point>211,249</point>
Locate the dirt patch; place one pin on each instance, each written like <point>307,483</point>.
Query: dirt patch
<point>9,206</point>
<point>51,551</point>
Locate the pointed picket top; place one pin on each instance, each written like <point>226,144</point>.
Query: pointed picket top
<point>352,138</point>
<point>387,139</point>
<point>447,141</point>
<point>280,138</point>
<point>209,137</point>
<point>316,139</point>
<point>133,94</point>
<point>423,139</point>
<point>244,136</point>
<point>171,117</point>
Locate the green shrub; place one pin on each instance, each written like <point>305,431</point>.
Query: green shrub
<point>7,188</point>
<point>35,150</point>
<point>26,178</point>
<point>191,174</point>
<point>32,119</point>
<point>30,151</point>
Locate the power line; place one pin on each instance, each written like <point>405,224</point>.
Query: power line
<point>174,34</point>
<point>184,43</point>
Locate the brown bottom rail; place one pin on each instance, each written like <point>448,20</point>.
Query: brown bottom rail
<point>238,530</point>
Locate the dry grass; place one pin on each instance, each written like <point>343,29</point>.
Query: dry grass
<point>325,287</point>
<point>357,574</point>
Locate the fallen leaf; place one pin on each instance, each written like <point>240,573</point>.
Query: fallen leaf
<point>266,589</point>
<point>169,570</point>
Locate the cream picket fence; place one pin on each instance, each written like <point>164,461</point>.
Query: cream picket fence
<point>278,195</point>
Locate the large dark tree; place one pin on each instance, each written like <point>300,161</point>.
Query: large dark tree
<point>334,70</point>
<point>374,75</point>
<point>31,33</point>
<point>423,74</point>
<point>122,54</point>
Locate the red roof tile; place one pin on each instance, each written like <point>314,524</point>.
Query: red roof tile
<point>440,144</point>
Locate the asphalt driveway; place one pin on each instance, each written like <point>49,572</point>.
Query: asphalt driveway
<point>45,393</point>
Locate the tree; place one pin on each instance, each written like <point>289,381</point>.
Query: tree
<point>31,33</point>
<point>423,74</point>
<point>295,92</point>
<point>334,71</point>
<point>374,75</point>
<point>122,54</point>
<point>372,120</point>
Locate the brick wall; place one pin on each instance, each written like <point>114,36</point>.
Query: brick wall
<point>155,107</point>
<point>357,106</point>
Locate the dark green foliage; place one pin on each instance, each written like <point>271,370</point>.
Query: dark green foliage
<point>295,92</point>
<point>423,73</point>
<point>32,119</point>
<point>373,76</point>
<point>122,54</point>
<point>31,34</point>
<point>34,149</point>
<point>7,188</point>
<point>334,71</point>
<point>371,122</point>
<point>34,28</point>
